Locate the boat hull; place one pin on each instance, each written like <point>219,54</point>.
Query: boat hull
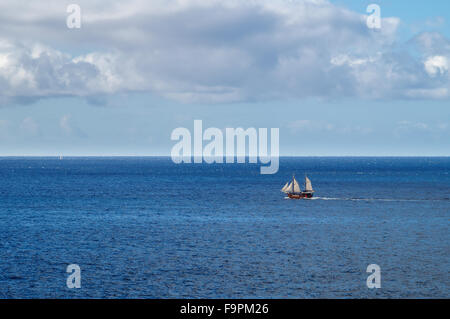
<point>300,196</point>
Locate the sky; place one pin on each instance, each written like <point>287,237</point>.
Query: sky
<point>136,70</point>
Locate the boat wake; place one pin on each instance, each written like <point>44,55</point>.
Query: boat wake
<point>373,199</point>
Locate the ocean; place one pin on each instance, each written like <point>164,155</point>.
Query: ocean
<point>144,227</point>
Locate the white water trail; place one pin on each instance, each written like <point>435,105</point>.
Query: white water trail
<point>372,199</point>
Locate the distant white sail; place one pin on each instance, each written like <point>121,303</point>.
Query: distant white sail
<point>296,188</point>
<point>289,188</point>
<point>285,188</point>
<point>308,186</point>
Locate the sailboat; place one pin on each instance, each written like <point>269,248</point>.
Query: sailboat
<point>293,190</point>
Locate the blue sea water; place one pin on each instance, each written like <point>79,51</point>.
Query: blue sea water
<point>148,228</point>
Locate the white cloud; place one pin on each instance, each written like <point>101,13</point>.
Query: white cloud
<point>69,127</point>
<point>420,128</point>
<point>30,127</point>
<point>436,65</point>
<point>65,124</point>
<point>310,126</point>
<point>399,129</point>
<point>211,51</point>
<point>4,124</point>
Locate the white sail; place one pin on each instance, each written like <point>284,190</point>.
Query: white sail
<point>285,188</point>
<point>289,188</point>
<point>296,187</point>
<point>308,186</point>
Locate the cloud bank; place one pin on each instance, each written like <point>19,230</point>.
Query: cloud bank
<point>213,52</point>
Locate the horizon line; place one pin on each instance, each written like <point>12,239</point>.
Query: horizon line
<point>84,156</point>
